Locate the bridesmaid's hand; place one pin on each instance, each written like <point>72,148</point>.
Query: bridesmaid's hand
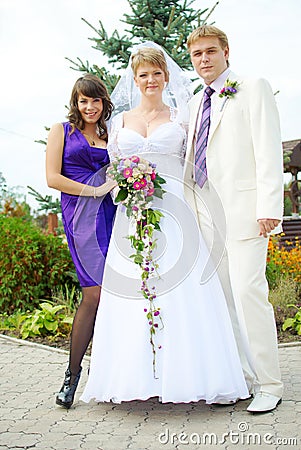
<point>105,188</point>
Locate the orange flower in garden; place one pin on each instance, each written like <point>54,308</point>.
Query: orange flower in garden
<point>284,260</point>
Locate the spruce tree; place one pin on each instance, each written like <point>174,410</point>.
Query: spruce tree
<point>166,22</point>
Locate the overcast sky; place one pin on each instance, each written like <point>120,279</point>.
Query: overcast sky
<point>36,79</point>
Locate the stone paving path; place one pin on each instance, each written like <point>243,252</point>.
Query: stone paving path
<point>30,374</point>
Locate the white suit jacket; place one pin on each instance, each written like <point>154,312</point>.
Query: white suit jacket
<point>244,156</point>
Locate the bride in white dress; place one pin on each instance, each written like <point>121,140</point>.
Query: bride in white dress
<point>196,357</point>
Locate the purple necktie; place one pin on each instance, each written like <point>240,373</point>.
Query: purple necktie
<point>202,138</point>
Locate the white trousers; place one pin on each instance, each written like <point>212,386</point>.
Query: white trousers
<point>241,268</point>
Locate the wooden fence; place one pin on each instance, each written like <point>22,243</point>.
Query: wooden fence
<point>291,229</point>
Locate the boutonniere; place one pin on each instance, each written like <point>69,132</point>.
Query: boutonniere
<point>230,88</point>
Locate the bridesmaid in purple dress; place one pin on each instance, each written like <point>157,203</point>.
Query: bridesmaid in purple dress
<point>76,161</point>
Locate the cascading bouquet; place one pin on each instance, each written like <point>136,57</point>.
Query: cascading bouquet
<point>138,184</point>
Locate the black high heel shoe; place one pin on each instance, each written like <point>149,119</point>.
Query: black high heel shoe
<point>66,395</point>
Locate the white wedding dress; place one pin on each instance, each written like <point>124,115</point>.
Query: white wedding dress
<point>196,354</point>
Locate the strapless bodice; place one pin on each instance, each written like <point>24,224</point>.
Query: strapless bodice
<point>167,139</point>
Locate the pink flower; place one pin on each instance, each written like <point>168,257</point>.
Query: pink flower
<point>135,159</point>
<point>153,175</point>
<point>137,185</point>
<point>150,192</point>
<point>143,182</point>
<point>127,172</point>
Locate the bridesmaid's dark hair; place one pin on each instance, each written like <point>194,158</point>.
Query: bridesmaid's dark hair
<point>90,86</point>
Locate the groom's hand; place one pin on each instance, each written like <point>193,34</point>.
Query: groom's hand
<point>267,225</point>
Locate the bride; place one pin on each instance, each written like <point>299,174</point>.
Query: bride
<point>195,353</point>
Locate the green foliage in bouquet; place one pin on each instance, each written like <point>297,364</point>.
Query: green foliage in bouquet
<point>138,184</point>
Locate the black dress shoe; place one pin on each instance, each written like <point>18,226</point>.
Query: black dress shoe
<point>66,395</point>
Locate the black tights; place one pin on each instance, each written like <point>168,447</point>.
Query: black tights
<point>82,328</point>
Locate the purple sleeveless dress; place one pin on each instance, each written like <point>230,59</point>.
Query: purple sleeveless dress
<point>87,221</point>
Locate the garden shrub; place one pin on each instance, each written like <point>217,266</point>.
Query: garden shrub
<point>46,320</point>
<point>286,291</point>
<point>32,264</point>
<point>294,322</point>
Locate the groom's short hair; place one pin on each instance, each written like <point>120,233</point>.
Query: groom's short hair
<point>208,30</point>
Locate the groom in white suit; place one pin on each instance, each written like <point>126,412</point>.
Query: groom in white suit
<point>239,198</point>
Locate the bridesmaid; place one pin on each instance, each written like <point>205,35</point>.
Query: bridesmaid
<point>76,160</point>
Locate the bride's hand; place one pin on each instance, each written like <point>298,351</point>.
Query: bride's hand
<point>114,193</point>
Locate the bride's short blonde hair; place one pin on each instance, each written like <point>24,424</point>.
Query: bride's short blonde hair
<point>149,55</point>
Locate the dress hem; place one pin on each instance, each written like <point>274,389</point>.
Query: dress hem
<point>217,399</point>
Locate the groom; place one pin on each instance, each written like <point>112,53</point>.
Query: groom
<point>234,160</point>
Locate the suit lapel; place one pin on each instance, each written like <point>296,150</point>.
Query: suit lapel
<point>217,114</point>
<point>194,110</point>
<point>219,109</point>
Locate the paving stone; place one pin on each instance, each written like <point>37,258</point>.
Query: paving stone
<point>30,418</point>
<point>19,439</point>
<point>91,445</point>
